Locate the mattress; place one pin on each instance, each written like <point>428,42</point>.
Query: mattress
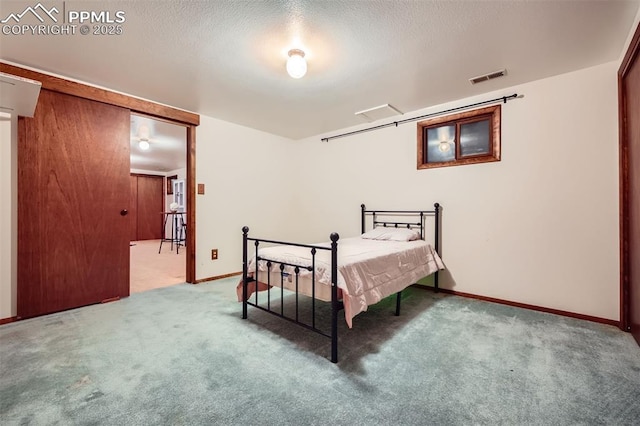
<point>368,270</point>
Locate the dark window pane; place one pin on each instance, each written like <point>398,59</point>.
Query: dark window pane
<point>440,144</point>
<point>474,138</point>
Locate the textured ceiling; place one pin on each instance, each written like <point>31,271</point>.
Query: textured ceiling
<point>226,59</point>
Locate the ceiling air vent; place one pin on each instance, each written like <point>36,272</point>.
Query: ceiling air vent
<point>379,112</point>
<point>487,77</point>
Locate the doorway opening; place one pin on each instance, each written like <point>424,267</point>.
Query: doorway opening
<point>158,219</point>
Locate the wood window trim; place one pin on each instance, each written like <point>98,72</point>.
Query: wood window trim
<point>491,112</point>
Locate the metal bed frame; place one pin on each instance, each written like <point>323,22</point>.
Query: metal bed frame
<point>336,304</point>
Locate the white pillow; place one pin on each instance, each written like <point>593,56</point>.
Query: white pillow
<point>392,234</point>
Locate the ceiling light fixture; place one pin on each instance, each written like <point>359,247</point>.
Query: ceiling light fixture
<point>144,145</point>
<point>296,64</point>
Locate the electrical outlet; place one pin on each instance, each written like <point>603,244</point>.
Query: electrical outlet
<point>214,254</point>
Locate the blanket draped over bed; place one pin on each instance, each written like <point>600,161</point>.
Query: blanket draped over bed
<point>368,270</point>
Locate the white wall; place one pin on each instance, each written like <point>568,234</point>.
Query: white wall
<point>248,179</point>
<point>8,215</point>
<point>539,227</point>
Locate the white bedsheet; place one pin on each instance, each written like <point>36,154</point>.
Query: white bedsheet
<point>368,270</point>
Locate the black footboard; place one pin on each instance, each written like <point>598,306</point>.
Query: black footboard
<point>285,270</point>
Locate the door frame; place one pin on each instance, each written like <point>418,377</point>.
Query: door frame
<point>141,106</point>
<point>632,54</point>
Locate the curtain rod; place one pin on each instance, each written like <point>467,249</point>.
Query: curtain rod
<point>503,99</point>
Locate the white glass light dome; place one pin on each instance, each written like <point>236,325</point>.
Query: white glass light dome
<point>296,64</point>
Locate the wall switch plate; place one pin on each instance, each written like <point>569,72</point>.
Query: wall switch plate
<point>201,188</point>
<point>214,254</point>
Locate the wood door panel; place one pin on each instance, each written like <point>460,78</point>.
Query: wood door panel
<point>73,168</point>
<point>629,148</point>
<point>150,207</point>
<point>632,88</point>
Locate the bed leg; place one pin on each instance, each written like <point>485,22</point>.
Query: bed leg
<point>334,324</point>
<point>334,338</point>
<point>334,297</point>
<point>244,298</point>
<point>398,299</point>
<point>435,282</point>
<point>245,231</point>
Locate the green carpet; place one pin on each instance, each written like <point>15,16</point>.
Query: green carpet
<point>183,356</point>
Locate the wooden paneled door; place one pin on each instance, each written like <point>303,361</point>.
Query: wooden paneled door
<point>629,101</point>
<point>149,205</point>
<point>73,197</point>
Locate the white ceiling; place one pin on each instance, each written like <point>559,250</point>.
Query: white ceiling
<point>226,58</point>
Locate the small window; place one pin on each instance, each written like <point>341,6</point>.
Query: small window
<point>466,138</point>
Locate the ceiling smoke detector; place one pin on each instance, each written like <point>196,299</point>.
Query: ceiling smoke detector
<point>489,76</point>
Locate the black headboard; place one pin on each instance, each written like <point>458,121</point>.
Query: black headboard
<point>412,219</point>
